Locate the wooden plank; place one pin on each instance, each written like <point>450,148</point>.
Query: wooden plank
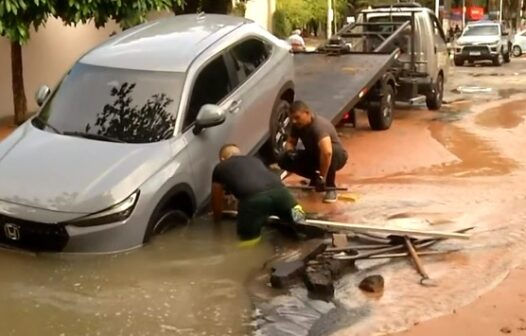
<point>399,231</point>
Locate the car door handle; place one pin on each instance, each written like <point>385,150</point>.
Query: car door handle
<point>235,106</point>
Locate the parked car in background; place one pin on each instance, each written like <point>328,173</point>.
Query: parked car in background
<point>482,41</point>
<point>126,144</point>
<point>519,43</point>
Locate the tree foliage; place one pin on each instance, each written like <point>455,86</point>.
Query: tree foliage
<point>18,16</point>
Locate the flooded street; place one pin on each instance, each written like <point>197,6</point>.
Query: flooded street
<point>460,167</point>
<point>188,282</point>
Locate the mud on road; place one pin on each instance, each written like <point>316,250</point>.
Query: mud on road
<point>462,166</point>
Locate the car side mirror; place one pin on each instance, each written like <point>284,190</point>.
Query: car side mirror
<point>209,116</point>
<point>42,94</point>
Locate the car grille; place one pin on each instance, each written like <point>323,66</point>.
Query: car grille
<point>484,51</point>
<point>32,236</point>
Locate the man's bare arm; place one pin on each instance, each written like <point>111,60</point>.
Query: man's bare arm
<point>218,196</point>
<point>325,146</point>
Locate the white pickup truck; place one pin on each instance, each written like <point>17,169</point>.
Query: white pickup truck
<point>483,41</point>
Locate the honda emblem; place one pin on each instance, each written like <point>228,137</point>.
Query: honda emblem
<point>12,231</point>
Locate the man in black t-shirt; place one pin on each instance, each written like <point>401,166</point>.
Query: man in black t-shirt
<point>260,193</point>
<point>323,155</point>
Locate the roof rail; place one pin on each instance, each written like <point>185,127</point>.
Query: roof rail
<point>398,5</point>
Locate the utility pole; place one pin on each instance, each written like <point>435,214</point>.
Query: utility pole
<point>500,11</point>
<point>464,14</point>
<point>329,18</point>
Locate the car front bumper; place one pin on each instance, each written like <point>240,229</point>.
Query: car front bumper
<point>470,52</point>
<point>39,230</point>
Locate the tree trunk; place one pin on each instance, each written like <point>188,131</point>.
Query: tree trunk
<point>17,81</point>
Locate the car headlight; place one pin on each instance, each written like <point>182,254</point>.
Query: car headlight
<point>116,213</point>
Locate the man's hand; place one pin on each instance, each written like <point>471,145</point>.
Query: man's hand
<point>319,184</point>
<point>218,195</point>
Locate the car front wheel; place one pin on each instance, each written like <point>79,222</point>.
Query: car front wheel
<point>498,60</point>
<point>279,127</point>
<point>517,51</point>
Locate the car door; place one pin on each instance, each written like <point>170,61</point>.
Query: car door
<point>249,59</point>
<point>212,84</point>
<point>440,47</point>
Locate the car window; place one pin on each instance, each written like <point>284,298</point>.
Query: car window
<point>481,30</point>
<point>437,29</point>
<point>523,34</point>
<point>134,106</point>
<point>248,56</point>
<point>211,86</point>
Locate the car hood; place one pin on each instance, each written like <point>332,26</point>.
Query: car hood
<point>478,39</point>
<point>68,174</point>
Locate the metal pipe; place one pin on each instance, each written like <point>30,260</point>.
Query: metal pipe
<point>413,37</point>
<point>329,19</point>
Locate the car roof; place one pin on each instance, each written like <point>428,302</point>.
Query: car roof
<point>167,44</point>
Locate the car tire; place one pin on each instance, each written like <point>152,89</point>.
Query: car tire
<point>458,62</point>
<point>164,221</point>
<point>279,127</point>
<point>517,51</point>
<point>498,60</point>
<point>381,115</point>
<point>434,97</point>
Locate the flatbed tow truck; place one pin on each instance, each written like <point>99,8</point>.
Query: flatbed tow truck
<point>392,53</point>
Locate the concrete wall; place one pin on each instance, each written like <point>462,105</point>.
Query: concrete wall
<point>261,11</point>
<point>47,56</point>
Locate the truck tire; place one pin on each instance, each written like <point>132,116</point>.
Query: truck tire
<point>458,62</point>
<point>381,115</point>
<point>498,60</point>
<point>434,97</point>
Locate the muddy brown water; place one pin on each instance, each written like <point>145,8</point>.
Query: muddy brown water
<point>188,282</point>
<point>453,169</point>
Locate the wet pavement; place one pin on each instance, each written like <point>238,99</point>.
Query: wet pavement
<point>462,166</point>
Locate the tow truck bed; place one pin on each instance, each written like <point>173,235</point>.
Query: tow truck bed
<point>331,85</point>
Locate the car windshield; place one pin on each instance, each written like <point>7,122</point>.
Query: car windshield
<point>481,30</point>
<point>101,103</point>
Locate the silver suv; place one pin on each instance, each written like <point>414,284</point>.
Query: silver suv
<point>126,144</point>
<point>483,41</point>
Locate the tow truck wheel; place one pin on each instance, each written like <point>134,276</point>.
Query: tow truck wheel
<point>434,97</point>
<point>381,115</point>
